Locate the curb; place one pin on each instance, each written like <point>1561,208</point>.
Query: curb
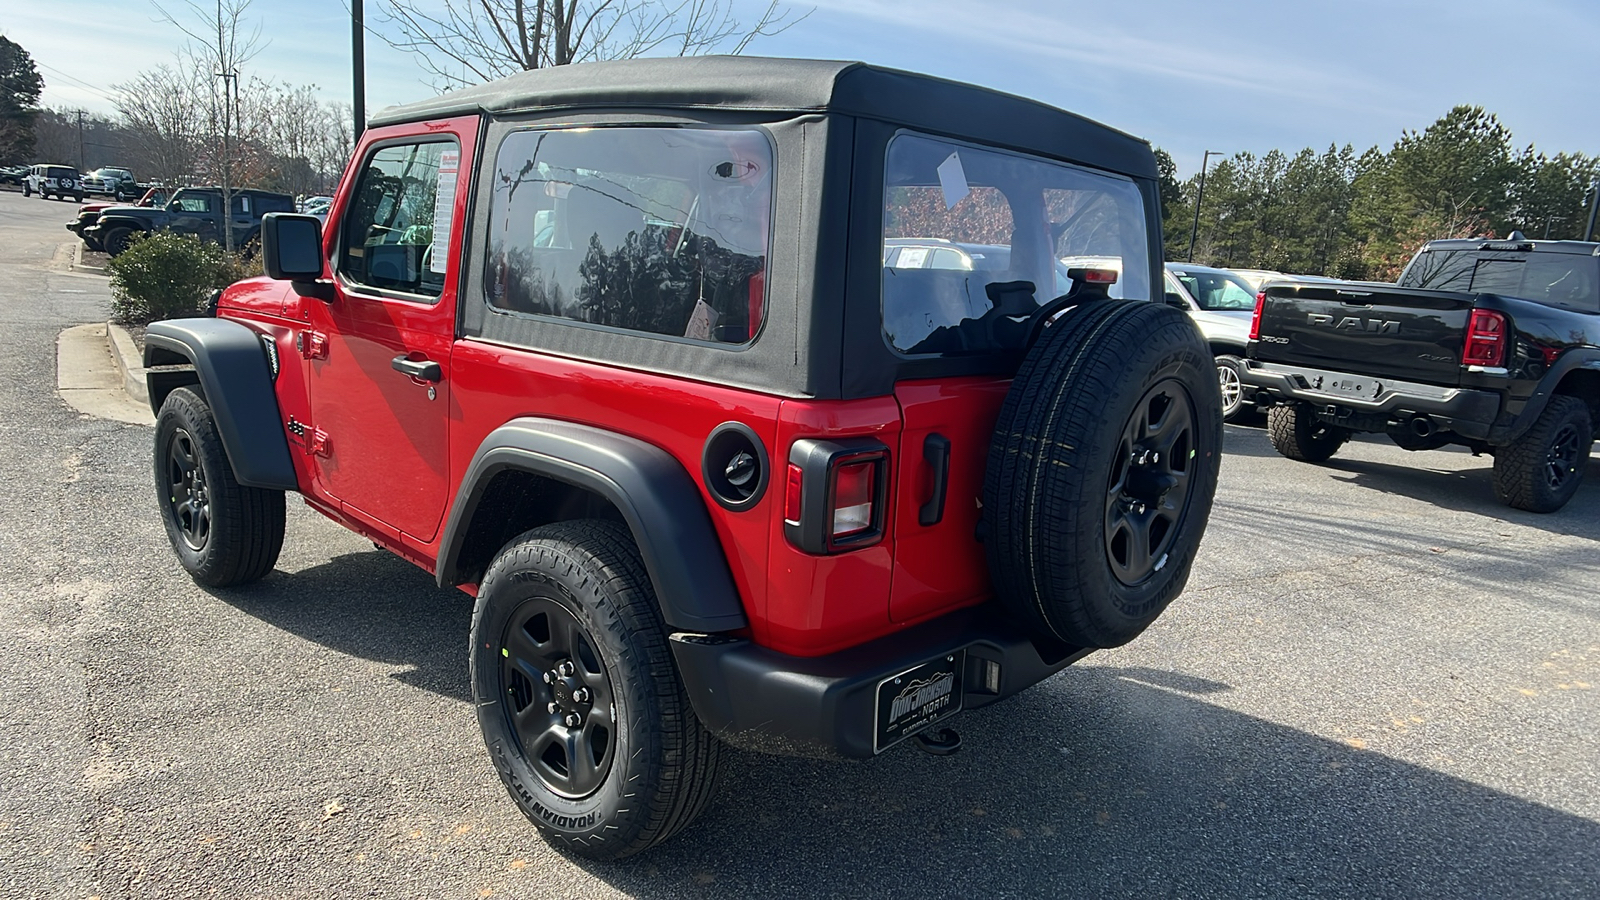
<point>125,353</point>
<point>78,265</point>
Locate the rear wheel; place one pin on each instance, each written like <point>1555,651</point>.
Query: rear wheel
<point>1541,470</point>
<point>1101,472</point>
<point>1297,434</point>
<point>580,703</point>
<point>224,534</point>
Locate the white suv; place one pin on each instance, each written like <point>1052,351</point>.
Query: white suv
<point>61,181</point>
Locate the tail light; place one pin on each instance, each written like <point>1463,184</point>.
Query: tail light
<point>836,494</point>
<point>1255,320</point>
<point>1486,339</point>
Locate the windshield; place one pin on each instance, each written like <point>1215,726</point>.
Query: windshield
<point>1216,290</point>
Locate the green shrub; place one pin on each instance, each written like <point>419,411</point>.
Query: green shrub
<point>167,276</point>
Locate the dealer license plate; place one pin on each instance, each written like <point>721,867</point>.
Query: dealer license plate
<point>1351,387</point>
<point>917,698</point>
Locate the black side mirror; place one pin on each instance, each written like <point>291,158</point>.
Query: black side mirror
<point>291,247</point>
<point>1176,301</point>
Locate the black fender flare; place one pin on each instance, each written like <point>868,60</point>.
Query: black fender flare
<point>655,494</point>
<point>1573,360</point>
<point>236,376</point>
<point>122,222</point>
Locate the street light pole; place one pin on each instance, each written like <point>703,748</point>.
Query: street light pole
<point>1594,206</point>
<point>1199,195</point>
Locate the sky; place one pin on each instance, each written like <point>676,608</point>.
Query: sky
<point>1229,76</point>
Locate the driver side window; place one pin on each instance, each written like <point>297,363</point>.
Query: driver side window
<point>386,239</point>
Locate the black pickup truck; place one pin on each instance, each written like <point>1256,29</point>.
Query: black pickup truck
<point>1490,344</point>
<point>196,210</point>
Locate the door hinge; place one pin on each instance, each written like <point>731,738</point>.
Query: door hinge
<point>320,444</point>
<point>312,344</point>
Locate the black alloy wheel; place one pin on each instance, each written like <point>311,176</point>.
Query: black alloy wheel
<point>560,698</point>
<point>1148,491</point>
<point>186,490</point>
<point>1561,460</point>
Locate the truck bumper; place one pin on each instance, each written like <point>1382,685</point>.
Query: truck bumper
<point>842,704</point>
<point>1469,413</point>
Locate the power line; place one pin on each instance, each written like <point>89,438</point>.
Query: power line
<point>104,95</point>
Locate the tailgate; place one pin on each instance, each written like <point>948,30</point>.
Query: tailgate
<point>1366,329</point>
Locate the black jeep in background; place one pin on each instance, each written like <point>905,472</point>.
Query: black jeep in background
<point>1489,344</point>
<point>196,211</point>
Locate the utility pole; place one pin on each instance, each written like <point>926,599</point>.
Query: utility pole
<point>1594,206</point>
<point>81,166</point>
<point>358,62</point>
<point>230,95</point>
<point>1200,195</point>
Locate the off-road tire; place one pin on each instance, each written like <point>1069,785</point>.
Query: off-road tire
<point>93,246</point>
<point>229,534</point>
<point>1297,434</point>
<point>1060,464</point>
<point>1541,470</point>
<point>27,189</point>
<point>117,240</point>
<point>662,764</point>
<point>76,198</point>
<point>1234,406</point>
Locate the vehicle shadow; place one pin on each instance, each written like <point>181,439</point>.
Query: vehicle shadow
<point>373,605</point>
<point>1116,782</point>
<point>1472,490</point>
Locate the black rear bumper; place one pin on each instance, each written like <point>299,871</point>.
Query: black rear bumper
<point>1468,412</point>
<point>825,706</point>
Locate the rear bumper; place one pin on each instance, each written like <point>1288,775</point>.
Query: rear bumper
<point>826,706</point>
<point>1469,413</point>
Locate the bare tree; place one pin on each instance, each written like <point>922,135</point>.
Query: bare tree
<point>217,37</point>
<point>461,42</point>
<point>158,109</point>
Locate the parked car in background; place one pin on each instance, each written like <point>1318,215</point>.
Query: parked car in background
<point>51,180</point>
<point>1221,302</point>
<point>316,206</point>
<point>111,181</point>
<point>196,211</point>
<point>13,175</point>
<point>89,214</point>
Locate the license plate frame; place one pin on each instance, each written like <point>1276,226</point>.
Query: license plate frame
<point>911,701</point>
<point>1352,386</point>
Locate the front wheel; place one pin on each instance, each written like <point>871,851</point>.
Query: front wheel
<point>117,240</point>
<point>27,189</point>
<point>1541,470</point>
<point>581,707</point>
<point>1297,434</point>
<point>1234,407</point>
<point>224,534</point>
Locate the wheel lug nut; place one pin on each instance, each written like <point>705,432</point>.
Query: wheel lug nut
<point>551,707</point>
<point>548,677</point>
<point>566,668</point>
<point>574,720</point>
<point>581,695</point>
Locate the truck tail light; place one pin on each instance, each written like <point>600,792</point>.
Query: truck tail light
<point>1255,320</point>
<point>854,493</point>
<point>836,494</point>
<point>1486,339</point>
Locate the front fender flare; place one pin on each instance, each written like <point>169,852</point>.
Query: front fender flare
<point>236,377</point>
<point>655,494</point>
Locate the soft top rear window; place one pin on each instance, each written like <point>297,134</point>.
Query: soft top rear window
<point>958,218</point>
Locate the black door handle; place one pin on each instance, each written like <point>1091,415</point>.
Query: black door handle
<point>936,450</point>
<point>420,369</point>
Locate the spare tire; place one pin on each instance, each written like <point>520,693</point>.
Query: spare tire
<point>1101,472</point>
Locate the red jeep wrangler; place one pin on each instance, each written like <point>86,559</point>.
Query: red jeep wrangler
<point>750,398</point>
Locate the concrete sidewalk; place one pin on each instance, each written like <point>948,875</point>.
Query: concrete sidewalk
<point>98,373</point>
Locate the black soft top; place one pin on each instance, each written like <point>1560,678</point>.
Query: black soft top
<point>798,86</point>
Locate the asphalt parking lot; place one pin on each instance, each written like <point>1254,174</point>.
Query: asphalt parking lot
<point>1380,683</point>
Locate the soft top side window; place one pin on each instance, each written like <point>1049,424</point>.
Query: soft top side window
<point>386,239</point>
<point>658,229</point>
<point>957,218</point>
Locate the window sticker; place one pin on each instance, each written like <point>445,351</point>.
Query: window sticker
<point>444,205</point>
<point>953,181</point>
<point>912,258</point>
